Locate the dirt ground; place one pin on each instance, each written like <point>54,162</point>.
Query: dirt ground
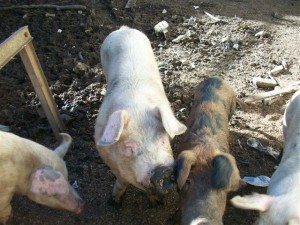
<point>70,60</point>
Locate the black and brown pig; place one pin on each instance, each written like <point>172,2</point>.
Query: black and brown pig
<point>205,170</point>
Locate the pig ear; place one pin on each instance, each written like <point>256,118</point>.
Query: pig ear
<point>260,202</point>
<point>62,149</point>
<point>183,165</point>
<point>170,123</point>
<point>221,173</point>
<point>113,128</point>
<point>225,173</point>
<point>47,181</point>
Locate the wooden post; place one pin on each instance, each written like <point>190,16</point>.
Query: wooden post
<point>20,42</point>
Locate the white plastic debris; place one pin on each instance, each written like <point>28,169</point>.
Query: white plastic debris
<point>59,30</point>
<point>164,11</point>
<point>252,142</point>
<point>162,27</point>
<point>236,46</point>
<point>260,181</point>
<point>196,6</point>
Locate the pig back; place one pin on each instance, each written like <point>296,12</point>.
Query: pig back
<point>213,105</point>
<point>19,157</point>
<point>127,56</point>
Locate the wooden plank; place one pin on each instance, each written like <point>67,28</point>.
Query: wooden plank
<point>13,45</point>
<point>37,77</point>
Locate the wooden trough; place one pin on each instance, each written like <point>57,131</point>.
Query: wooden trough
<point>20,42</point>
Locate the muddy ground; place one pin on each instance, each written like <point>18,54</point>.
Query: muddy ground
<point>70,60</point>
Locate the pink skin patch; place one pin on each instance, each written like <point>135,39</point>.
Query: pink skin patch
<point>131,148</point>
<point>49,182</point>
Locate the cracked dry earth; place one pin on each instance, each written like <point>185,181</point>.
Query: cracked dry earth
<point>70,60</point>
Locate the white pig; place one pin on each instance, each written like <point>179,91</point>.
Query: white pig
<point>135,121</point>
<point>281,204</point>
<point>30,169</point>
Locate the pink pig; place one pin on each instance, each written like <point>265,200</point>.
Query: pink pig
<point>281,204</point>
<point>30,169</point>
<point>135,121</point>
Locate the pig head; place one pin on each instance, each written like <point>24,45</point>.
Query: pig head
<point>281,204</point>
<point>135,122</point>
<point>30,169</point>
<point>205,171</point>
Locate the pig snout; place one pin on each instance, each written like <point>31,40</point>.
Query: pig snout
<point>73,202</point>
<point>163,179</point>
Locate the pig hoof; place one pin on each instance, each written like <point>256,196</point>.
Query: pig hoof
<point>115,204</point>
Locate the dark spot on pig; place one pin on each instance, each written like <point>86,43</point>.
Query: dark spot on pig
<point>209,87</point>
<point>203,122</point>
<point>41,178</point>
<point>222,171</point>
<point>219,120</point>
<point>51,175</point>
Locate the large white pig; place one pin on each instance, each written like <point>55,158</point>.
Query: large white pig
<point>135,121</point>
<point>30,169</point>
<point>281,204</point>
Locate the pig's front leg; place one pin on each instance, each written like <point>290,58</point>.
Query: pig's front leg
<point>119,189</point>
<point>5,214</point>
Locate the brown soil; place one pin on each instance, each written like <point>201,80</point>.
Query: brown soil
<point>70,61</point>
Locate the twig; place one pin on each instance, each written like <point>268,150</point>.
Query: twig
<point>285,90</point>
<point>217,20</point>
<point>244,107</point>
<point>130,4</point>
<point>57,7</point>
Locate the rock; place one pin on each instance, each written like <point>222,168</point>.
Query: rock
<point>81,67</point>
